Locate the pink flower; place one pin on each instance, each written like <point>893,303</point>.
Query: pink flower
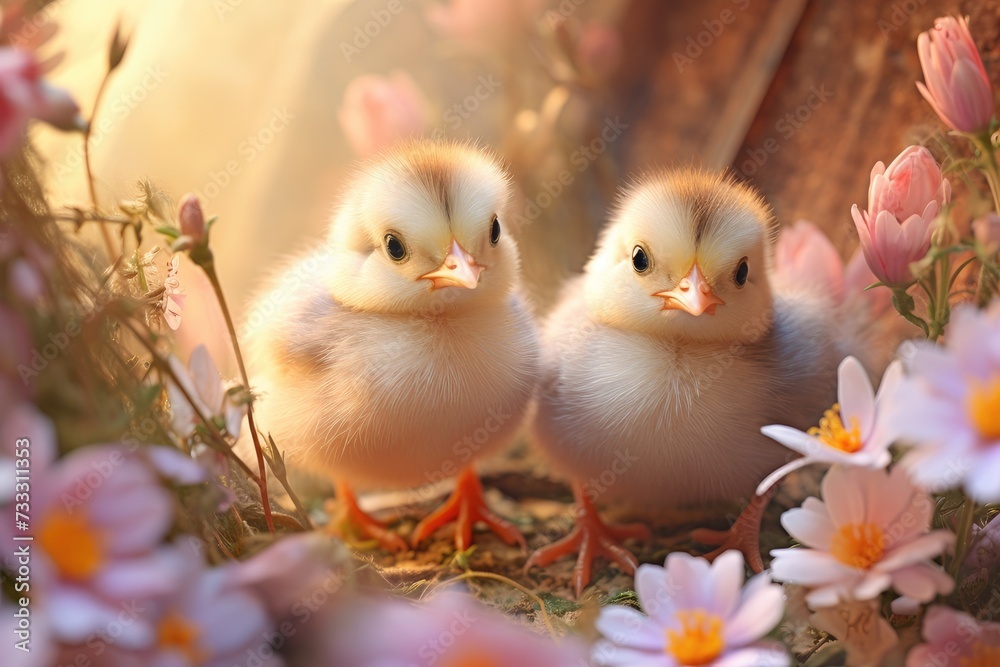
<point>598,50</point>
<point>696,614</point>
<point>854,432</point>
<point>218,400</point>
<point>379,111</point>
<point>307,569</point>
<point>172,301</point>
<point>806,261</point>
<point>452,630</point>
<point>948,407</point>
<point>871,532</point>
<point>206,620</point>
<point>955,639</point>
<point>23,95</point>
<point>805,258</point>
<point>958,86</point>
<point>192,219</point>
<point>903,201</point>
<point>987,232</point>
<point>98,525</point>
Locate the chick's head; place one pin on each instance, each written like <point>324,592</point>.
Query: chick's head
<point>687,256</point>
<point>421,231</point>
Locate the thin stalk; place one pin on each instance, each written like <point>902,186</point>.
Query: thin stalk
<point>963,534</point>
<point>209,268</point>
<point>105,233</point>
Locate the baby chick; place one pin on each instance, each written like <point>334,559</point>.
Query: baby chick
<point>665,358</point>
<point>401,335</point>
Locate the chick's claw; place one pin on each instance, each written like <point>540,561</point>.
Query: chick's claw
<point>744,535</point>
<point>350,520</point>
<point>466,507</point>
<point>590,538</point>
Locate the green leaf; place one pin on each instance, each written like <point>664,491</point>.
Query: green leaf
<point>168,231</point>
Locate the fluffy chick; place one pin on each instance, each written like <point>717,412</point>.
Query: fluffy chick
<point>402,335</point>
<point>668,354</point>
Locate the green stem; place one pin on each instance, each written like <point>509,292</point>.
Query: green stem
<point>209,268</point>
<point>963,534</point>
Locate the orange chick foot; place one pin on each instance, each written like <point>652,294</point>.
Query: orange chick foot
<point>590,538</point>
<point>466,507</point>
<point>351,521</point>
<point>744,535</point>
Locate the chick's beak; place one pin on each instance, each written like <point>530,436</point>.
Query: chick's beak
<point>459,269</point>
<point>693,294</point>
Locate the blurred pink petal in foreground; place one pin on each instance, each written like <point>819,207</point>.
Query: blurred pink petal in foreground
<point>452,629</point>
<point>871,532</point>
<point>903,201</point>
<point>379,110</point>
<point>957,85</point>
<point>955,639</point>
<point>696,613</point>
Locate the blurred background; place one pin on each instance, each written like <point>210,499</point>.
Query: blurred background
<point>262,107</point>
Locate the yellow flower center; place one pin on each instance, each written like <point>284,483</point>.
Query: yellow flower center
<point>699,641</point>
<point>74,545</point>
<point>982,655</point>
<point>176,633</point>
<point>984,408</point>
<point>832,432</point>
<point>859,545</point>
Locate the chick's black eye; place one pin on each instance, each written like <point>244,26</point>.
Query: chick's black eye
<point>742,273</point>
<point>395,247</point>
<point>640,262</point>
<point>495,231</point>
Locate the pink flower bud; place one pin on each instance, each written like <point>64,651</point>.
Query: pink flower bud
<point>903,201</point>
<point>191,218</point>
<point>957,85</point>
<point>379,111</point>
<point>599,50</point>
<point>987,231</point>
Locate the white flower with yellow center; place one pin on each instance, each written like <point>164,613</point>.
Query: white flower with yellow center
<point>853,432</point>
<point>871,532</point>
<point>696,614</point>
<point>948,407</point>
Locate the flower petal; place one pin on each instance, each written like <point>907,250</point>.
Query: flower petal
<point>857,399</point>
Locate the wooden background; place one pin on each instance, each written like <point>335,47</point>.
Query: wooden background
<point>731,103</point>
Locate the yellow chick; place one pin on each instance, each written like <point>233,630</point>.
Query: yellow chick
<point>665,358</point>
<point>403,337</point>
